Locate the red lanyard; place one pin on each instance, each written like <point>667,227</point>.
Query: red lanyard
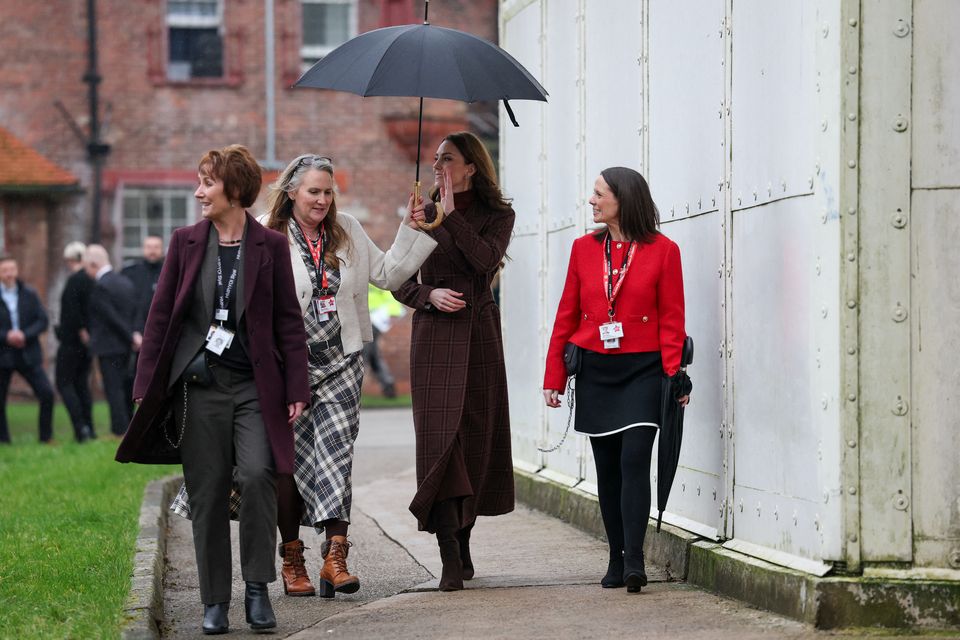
<point>316,252</point>
<point>611,289</point>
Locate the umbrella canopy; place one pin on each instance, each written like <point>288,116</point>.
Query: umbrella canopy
<point>671,427</point>
<point>423,61</point>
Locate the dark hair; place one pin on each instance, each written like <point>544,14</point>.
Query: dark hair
<point>639,218</point>
<point>484,180</point>
<point>280,204</point>
<point>239,171</point>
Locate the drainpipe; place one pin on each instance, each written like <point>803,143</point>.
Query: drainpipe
<point>97,150</point>
<point>269,64</point>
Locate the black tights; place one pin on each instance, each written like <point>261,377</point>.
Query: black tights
<point>623,486</point>
<point>290,510</point>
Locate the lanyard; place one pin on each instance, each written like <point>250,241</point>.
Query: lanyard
<point>612,290</point>
<point>224,294</point>
<point>317,252</point>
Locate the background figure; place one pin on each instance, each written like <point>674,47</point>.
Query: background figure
<point>622,304</point>
<point>22,320</point>
<point>383,309</point>
<point>144,274</point>
<point>457,372</point>
<point>112,339</point>
<point>73,355</point>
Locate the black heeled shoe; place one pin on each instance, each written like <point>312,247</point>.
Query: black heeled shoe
<point>215,619</point>
<point>634,574</point>
<point>614,577</point>
<point>257,603</point>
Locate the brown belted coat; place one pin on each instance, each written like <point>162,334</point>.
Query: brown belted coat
<point>457,374</point>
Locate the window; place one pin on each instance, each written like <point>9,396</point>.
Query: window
<point>195,39</point>
<point>153,212</point>
<point>326,25</point>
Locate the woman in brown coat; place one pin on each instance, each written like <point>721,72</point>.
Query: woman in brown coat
<point>460,411</point>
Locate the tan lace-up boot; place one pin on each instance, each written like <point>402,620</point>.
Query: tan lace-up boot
<point>334,577</point>
<point>296,582</point>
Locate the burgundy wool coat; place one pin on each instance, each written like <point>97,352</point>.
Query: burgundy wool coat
<point>457,373</point>
<point>276,340</point>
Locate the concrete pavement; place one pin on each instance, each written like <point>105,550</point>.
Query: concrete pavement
<point>537,577</point>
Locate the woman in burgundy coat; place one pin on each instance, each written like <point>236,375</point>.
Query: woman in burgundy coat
<point>457,374</point>
<point>622,304</point>
<point>221,377</point>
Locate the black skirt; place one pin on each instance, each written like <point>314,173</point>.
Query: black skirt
<point>616,391</point>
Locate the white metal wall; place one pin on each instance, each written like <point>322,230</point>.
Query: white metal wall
<point>746,116</point>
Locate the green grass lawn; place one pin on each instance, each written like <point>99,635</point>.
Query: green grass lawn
<point>68,523</point>
<point>379,402</point>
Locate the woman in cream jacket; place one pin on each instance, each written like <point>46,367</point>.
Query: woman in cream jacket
<point>333,260</point>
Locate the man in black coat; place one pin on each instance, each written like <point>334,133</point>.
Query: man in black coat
<point>22,320</point>
<point>73,356</point>
<point>112,338</point>
<point>144,275</point>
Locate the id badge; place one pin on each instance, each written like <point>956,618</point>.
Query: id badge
<point>219,339</point>
<point>611,331</point>
<point>613,343</point>
<point>221,315</point>
<point>323,306</point>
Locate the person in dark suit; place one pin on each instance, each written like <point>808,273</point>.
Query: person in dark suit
<point>112,339</point>
<point>22,320</point>
<point>73,355</point>
<point>225,354</point>
<point>144,275</point>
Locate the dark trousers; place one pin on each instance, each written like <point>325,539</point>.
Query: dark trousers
<point>115,373</point>
<point>623,487</point>
<point>37,379</point>
<point>224,429</point>
<point>371,353</point>
<point>73,383</point>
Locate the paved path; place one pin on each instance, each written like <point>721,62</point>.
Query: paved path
<point>536,576</point>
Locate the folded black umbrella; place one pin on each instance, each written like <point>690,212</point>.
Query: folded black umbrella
<point>671,427</point>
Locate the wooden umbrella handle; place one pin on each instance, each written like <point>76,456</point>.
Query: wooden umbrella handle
<point>427,226</point>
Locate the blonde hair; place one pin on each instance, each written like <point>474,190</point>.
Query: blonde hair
<point>74,251</point>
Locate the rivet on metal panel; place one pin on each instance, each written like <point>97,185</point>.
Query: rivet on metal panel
<point>754,194</point>
<point>741,506</point>
<point>816,166</point>
<point>851,116</point>
<point>672,212</point>
<point>852,22</point>
<point>776,512</point>
<point>852,210</point>
<point>900,503</point>
<point>824,217</point>
<point>699,203</point>
<point>852,537</point>
<point>902,30</point>
<point>758,509</point>
<point>852,491</point>
<point>851,257</point>
<point>852,164</point>
<point>825,29</point>
<point>852,397</point>
<point>900,123</point>
<point>823,125</point>
<point>720,350</point>
<point>769,189</point>
<point>713,201</point>
<point>851,350</point>
<point>795,517</point>
<point>953,559</point>
<point>851,304</point>
<point>729,432</point>
<point>698,489</point>
<point>810,183</point>
<point>687,207</point>
<point>900,407</point>
<point>852,444</point>
<point>783,185</point>
<point>899,313</point>
<point>824,402</point>
<point>683,486</point>
<point>714,494</point>
<point>899,221</point>
<point>816,521</point>
<point>823,312</point>
<point>852,70</point>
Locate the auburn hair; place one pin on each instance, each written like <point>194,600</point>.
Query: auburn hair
<point>239,171</point>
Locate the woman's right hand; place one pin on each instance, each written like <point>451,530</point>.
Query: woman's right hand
<point>415,214</point>
<point>447,300</point>
<point>551,397</point>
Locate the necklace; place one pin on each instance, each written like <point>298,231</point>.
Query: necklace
<point>237,241</point>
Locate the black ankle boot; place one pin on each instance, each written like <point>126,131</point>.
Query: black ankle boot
<point>257,603</point>
<point>614,577</point>
<point>215,618</point>
<point>634,574</point>
<point>452,577</point>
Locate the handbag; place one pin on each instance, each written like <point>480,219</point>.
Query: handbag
<point>197,372</point>
<point>571,358</point>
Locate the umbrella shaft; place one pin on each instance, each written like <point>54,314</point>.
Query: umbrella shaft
<point>419,137</point>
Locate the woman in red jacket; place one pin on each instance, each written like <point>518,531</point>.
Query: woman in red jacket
<point>622,304</point>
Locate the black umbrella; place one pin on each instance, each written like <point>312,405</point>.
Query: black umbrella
<point>671,427</point>
<point>427,62</point>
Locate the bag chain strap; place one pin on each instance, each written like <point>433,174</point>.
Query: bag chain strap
<point>571,402</point>
<point>183,426</point>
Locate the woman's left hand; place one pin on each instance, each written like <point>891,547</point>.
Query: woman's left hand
<point>446,192</point>
<point>684,401</point>
<point>294,411</point>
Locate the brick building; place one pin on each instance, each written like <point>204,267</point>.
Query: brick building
<point>182,76</point>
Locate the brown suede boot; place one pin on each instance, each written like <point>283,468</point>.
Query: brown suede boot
<point>296,582</point>
<point>334,576</point>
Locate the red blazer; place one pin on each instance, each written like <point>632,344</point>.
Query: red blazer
<point>650,305</point>
<point>276,338</point>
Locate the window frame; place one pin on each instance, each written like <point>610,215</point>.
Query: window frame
<point>184,21</point>
<point>315,53</point>
<point>168,226</point>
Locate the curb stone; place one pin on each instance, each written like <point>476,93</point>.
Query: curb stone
<point>143,608</point>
